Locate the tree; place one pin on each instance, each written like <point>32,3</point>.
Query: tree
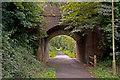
<point>80,15</point>
<point>85,15</point>
<point>106,13</point>
<point>24,19</point>
<point>64,43</point>
<point>20,21</point>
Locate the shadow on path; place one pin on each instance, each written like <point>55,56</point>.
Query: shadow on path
<point>67,67</point>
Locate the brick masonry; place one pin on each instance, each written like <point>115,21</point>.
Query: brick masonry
<point>86,45</point>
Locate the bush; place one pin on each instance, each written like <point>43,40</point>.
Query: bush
<point>52,54</point>
<point>100,72</point>
<point>64,43</point>
<point>72,55</point>
<point>118,73</point>
<point>103,70</point>
<point>107,63</point>
<point>19,40</point>
<point>18,61</point>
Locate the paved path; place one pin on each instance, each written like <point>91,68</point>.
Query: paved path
<point>67,67</point>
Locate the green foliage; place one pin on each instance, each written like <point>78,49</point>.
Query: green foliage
<point>104,70</point>
<point>72,55</point>
<point>106,29</point>
<point>19,40</point>
<point>22,14</point>
<point>107,63</point>
<point>48,73</point>
<point>18,62</point>
<point>101,71</point>
<point>52,54</point>
<point>118,73</point>
<point>85,15</point>
<point>24,18</point>
<point>65,43</point>
<point>80,15</point>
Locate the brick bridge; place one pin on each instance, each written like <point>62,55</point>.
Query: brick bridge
<point>85,44</point>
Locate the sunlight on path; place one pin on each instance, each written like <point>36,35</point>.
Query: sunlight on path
<point>62,56</point>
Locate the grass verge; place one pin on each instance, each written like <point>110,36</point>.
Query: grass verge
<point>103,72</point>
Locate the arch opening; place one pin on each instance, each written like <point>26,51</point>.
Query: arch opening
<point>85,45</point>
<point>81,51</point>
<point>64,44</point>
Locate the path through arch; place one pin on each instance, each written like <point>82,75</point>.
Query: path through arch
<point>81,55</point>
<point>67,67</point>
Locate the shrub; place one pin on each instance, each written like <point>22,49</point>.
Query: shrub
<point>72,55</point>
<point>18,61</point>
<point>52,54</point>
<point>100,72</point>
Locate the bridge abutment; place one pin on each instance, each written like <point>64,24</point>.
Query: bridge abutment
<point>85,45</point>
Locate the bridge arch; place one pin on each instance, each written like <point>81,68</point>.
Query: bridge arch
<point>81,53</point>
<point>86,45</point>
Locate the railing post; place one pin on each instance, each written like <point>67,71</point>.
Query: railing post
<point>95,60</point>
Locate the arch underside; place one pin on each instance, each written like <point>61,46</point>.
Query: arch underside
<point>85,45</point>
<point>80,42</point>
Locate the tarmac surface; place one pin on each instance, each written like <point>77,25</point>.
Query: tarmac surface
<point>67,67</point>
